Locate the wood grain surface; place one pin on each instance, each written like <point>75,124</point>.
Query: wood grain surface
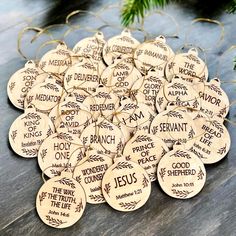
<point>212,212</point>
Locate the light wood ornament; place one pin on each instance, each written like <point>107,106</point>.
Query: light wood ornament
<point>126,186</point>
<point>90,174</point>
<point>146,150</point>
<point>181,174</point>
<point>103,102</point>
<point>214,101</point>
<point>153,54</point>
<point>120,45</point>
<point>55,155</point>
<point>121,75</point>
<point>22,81</point>
<point>45,96</point>
<point>103,136</point>
<point>28,131</point>
<point>188,66</point>
<point>173,125</point>
<point>83,75</point>
<point>212,141</point>
<point>61,201</point>
<point>178,92</point>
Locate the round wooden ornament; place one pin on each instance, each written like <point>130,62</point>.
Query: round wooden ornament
<point>181,174</point>
<point>83,75</point>
<point>212,141</point>
<point>78,93</point>
<point>146,150</point>
<point>179,93</point>
<point>188,66</point>
<point>61,201</point>
<point>55,155</point>
<point>103,102</point>
<point>28,131</point>
<point>56,61</point>
<point>73,118</point>
<point>91,47</point>
<point>22,81</point>
<point>121,75</point>
<point>103,136</point>
<point>173,125</point>
<point>147,90</point>
<point>134,114</point>
<point>90,174</point>
<point>45,96</point>
<point>120,45</point>
<point>126,186</point>
<point>214,100</point>
<point>153,54</point>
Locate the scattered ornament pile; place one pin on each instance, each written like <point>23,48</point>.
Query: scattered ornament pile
<point>107,118</point>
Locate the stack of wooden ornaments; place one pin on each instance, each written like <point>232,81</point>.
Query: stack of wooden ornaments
<point>109,117</point>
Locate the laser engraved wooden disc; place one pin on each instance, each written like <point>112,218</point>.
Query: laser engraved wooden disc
<point>120,45</point>
<point>153,54</point>
<point>55,155</point>
<point>28,131</point>
<point>178,92</point>
<point>61,201</point>
<point>83,75</point>
<point>91,47</point>
<point>134,114</point>
<point>181,174</point>
<point>187,65</point>
<point>90,174</point>
<point>45,96</point>
<point>78,93</point>
<point>147,90</point>
<point>103,136</point>
<point>102,103</point>
<point>212,141</point>
<point>56,61</point>
<point>121,75</point>
<point>22,81</point>
<point>214,100</point>
<point>126,186</point>
<point>146,150</point>
<point>173,125</point>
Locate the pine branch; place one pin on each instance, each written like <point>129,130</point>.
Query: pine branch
<point>232,7</point>
<point>136,9</point>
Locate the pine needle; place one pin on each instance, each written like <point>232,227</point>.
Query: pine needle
<point>136,9</point>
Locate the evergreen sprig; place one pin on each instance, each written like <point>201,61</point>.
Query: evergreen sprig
<point>136,9</point>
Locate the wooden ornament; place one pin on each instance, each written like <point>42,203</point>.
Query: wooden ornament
<point>73,118</point>
<point>28,131</point>
<point>181,174</point>
<point>90,174</point>
<point>153,54</point>
<point>120,45</point>
<point>83,75</point>
<point>134,115</point>
<point>126,186</point>
<point>212,141</point>
<point>45,96</point>
<point>146,150</point>
<point>102,103</point>
<point>121,75</point>
<point>214,100</point>
<point>188,66</point>
<point>173,125</point>
<point>55,155</point>
<point>179,93</point>
<point>22,81</point>
<point>78,93</point>
<point>56,61</point>
<point>103,136</point>
<point>91,47</point>
<point>61,201</point>
<point>147,90</point>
